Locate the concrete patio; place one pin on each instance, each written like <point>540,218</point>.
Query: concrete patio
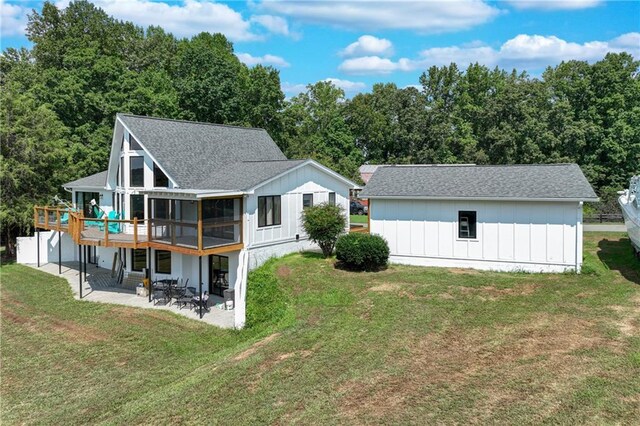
<point>102,288</point>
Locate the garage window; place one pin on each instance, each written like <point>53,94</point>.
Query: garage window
<point>332,198</point>
<point>307,201</point>
<point>467,224</point>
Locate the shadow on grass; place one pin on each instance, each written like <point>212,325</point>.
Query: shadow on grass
<point>312,255</point>
<point>618,255</point>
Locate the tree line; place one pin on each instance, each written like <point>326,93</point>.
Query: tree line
<point>59,98</point>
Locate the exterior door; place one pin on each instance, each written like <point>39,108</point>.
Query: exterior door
<point>218,274</point>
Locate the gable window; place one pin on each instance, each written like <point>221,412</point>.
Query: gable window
<point>159,178</point>
<point>332,198</point>
<point>121,172</point>
<point>136,171</point>
<point>137,206</point>
<point>138,259</point>
<point>133,143</point>
<point>467,224</point>
<point>269,212</point>
<point>307,201</point>
<point>163,262</point>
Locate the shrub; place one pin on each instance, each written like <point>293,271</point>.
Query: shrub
<point>323,224</point>
<point>362,251</point>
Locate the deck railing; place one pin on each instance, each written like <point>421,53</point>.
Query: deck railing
<point>189,236</point>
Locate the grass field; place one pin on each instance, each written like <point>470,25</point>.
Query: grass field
<point>405,345</point>
<point>355,218</point>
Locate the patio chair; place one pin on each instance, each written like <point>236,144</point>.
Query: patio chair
<point>203,301</point>
<point>64,219</point>
<point>160,294</point>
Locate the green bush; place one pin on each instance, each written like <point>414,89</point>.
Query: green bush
<point>323,224</point>
<point>267,303</point>
<point>361,251</point>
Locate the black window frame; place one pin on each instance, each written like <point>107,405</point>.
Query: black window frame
<point>121,177</point>
<point>306,196</point>
<point>134,258</point>
<point>133,212</point>
<point>472,216</point>
<point>330,201</point>
<point>159,178</point>
<point>132,182</point>
<point>163,253</point>
<point>276,219</point>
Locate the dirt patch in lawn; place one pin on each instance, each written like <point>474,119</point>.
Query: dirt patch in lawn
<point>384,287</point>
<point>463,271</point>
<point>629,318</point>
<point>491,292</point>
<point>283,271</point>
<point>254,348</point>
<point>456,360</point>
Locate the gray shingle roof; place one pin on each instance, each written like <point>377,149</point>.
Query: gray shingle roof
<point>98,180</point>
<point>245,175</point>
<point>204,155</point>
<point>540,181</point>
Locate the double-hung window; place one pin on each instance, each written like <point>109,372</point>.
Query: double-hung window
<point>269,212</point>
<point>307,201</point>
<point>332,198</point>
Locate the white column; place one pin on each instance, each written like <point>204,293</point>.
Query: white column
<point>240,293</point>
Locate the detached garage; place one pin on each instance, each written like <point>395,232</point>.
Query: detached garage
<point>506,218</point>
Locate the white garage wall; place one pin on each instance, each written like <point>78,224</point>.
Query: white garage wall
<point>532,236</point>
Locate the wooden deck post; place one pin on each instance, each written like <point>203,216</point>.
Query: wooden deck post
<point>200,229</point>
<point>106,232</point>
<point>35,216</point>
<point>135,232</point>
<point>46,217</point>
<point>58,218</point>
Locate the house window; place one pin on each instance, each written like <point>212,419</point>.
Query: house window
<point>137,206</point>
<point>133,143</point>
<point>332,198</point>
<point>136,173</point>
<point>307,201</point>
<point>121,171</point>
<point>163,262</point>
<point>269,211</point>
<point>159,178</point>
<point>467,224</point>
<point>138,259</point>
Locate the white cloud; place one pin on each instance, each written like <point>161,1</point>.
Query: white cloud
<point>13,19</point>
<point>523,51</point>
<point>421,16</point>
<point>368,45</point>
<point>375,65</point>
<point>347,85</point>
<point>267,59</point>
<point>554,4</point>
<point>293,89</point>
<point>182,19</point>
<point>275,24</point>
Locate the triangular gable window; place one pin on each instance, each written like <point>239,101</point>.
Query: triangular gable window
<point>133,143</point>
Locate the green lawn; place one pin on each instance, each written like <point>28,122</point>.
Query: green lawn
<point>358,218</point>
<point>405,345</point>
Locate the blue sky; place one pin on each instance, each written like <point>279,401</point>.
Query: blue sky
<point>358,43</point>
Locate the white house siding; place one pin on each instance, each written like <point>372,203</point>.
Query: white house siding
<point>304,180</point>
<point>527,236</point>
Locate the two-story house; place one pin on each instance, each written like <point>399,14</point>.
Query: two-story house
<point>198,201</point>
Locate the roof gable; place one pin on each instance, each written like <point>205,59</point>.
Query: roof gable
<point>532,182</point>
<point>193,154</point>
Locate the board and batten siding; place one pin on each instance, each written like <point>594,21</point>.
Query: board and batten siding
<point>527,236</point>
<point>291,186</point>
